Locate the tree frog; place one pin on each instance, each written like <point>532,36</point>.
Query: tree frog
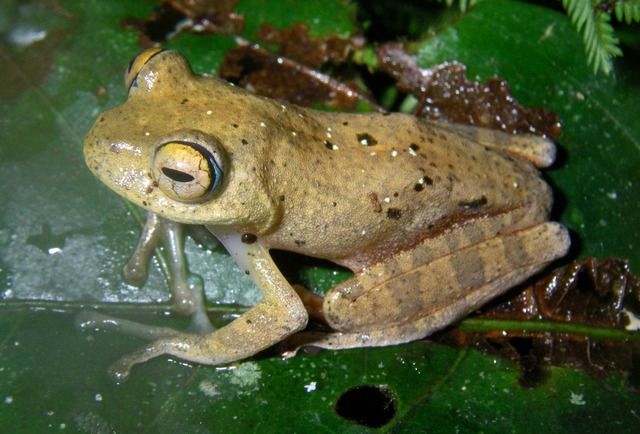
<point>434,219</point>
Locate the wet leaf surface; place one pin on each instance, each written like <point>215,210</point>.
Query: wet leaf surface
<point>65,237</point>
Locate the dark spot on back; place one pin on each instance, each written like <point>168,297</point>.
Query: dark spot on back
<point>329,145</point>
<point>394,213</point>
<point>424,181</point>
<point>366,139</point>
<point>473,204</point>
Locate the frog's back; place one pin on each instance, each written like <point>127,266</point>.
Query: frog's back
<point>390,177</point>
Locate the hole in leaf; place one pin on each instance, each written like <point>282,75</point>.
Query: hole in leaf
<point>367,405</point>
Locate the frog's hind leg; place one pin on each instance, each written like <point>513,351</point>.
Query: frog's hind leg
<point>538,150</point>
<point>413,304</point>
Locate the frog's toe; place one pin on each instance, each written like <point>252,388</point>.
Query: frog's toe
<point>93,320</point>
<point>120,370</point>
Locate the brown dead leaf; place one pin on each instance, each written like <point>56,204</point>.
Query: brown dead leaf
<point>295,72</point>
<point>192,16</point>
<point>596,294</point>
<point>444,93</point>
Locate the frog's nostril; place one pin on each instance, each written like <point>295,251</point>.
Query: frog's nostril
<point>177,175</point>
<point>372,406</point>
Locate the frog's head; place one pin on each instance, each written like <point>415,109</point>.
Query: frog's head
<point>155,153</point>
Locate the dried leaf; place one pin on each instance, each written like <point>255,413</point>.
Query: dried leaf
<point>192,16</point>
<point>295,73</point>
<point>578,308</point>
<point>444,93</point>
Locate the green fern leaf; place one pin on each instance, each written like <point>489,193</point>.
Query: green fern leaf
<point>600,42</point>
<point>464,5</point>
<point>628,11</point>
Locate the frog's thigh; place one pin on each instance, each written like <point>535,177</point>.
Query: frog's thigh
<point>416,303</point>
<point>539,150</point>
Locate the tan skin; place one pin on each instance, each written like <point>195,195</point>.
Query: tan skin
<point>434,219</point>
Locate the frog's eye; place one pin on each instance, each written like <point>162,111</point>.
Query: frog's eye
<point>186,171</point>
<point>136,64</point>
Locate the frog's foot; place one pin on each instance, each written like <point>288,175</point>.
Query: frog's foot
<point>249,334</point>
<point>158,231</point>
<point>93,320</point>
<point>538,150</point>
<point>418,302</point>
<point>200,324</point>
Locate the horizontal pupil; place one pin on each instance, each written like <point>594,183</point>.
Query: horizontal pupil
<point>177,175</point>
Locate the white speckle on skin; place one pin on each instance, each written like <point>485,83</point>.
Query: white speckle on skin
<point>394,153</point>
<point>294,134</point>
<point>412,152</point>
<point>310,387</point>
<point>146,133</point>
<point>209,112</point>
<point>612,195</point>
<point>263,125</point>
<point>372,154</point>
<point>387,199</point>
<point>577,399</point>
<point>98,397</point>
<point>150,78</point>
<point>8,400</point>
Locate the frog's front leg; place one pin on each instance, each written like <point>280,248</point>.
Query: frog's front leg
<point>186,290</point>
<point>279,314</point>
<point>396,301</point>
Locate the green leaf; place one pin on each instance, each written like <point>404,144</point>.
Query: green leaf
<point>64,238</point>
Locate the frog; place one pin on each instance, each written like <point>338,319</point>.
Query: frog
<point>434,219</point>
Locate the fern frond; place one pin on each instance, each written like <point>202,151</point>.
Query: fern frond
<point>598,35</point>
<point>605,46</point>
<point>464,5</point>
<point>628,11</point>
